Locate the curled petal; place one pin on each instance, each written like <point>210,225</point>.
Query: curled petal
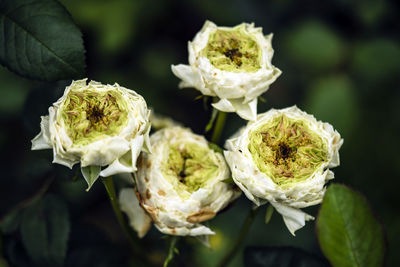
<point>294,218</point>
<point>42,140</point>
<point>138,218</point>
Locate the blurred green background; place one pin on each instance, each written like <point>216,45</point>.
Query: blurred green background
<point>340,61</point>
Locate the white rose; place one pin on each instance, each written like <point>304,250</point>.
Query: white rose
<point>231,63</point>
<point>180,184</point>
<point>284,158</point>
<point>97,125</point>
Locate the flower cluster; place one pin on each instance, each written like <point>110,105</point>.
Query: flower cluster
<point>282,157</point>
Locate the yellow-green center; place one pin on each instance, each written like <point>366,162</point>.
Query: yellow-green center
<point>287,150</point>
<point>90,116</point>
<point>233,50</point>
<point>189,167</point>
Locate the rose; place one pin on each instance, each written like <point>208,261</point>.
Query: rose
<point>181,183</point>
<point>96,125</point>
<point>233,64</point>
<point>284,158</point>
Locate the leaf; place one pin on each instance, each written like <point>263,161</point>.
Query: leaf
<point>91,174</point>
<point>268,213</point>
<point>3,263</point>
<point>45,230</point>
<point>348,232</point>
<point>40,40</point>
<point>11,222</point>
<point>215,147</point>
<point>228,181</point>
<point>314,46</point>
<point>280,256</point>
<point>333,99</point>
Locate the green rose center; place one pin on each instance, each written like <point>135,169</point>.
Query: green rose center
<point>287,150</point>
<point>233,50</point>
<point>189,167</point>
<point>90,116</point>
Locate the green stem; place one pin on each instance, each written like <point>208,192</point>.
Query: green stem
<point>219,126</point>
<point>171,251</point>
<point>109,185</point>
<point>239,240</point>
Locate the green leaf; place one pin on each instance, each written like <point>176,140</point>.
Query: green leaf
<point>315,46</point>
<point>91,174</point>
<point>228,181</point>
<point>45,230</point>
<point>333,99</point>
<point>268,214</point>
<point>280,256</point>
<point>348,232</point>
<point>3,263</point>
<point>40,40</point>
<point>376,61</point>
<point>11,222</point>
<point>215,147</point>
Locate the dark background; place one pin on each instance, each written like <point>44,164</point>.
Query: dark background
<point>340,61</point>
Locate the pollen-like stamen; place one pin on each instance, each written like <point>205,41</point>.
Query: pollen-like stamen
<point>287,150</point>
<point>191,165</point>
<point>90,115</point>
<point>233,50</point>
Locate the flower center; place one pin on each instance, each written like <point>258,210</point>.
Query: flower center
<point>233,50</point>
<point>190,166</point>
<point>287,150</point>
<point>89,116</point>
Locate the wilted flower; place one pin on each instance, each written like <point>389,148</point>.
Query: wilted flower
<point>181,183</point>
<point>231,63</point>
<point>284,158</point>
<point>96,125</point>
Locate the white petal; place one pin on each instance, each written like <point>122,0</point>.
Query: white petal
<point>42,140</point>
<point>197,230</point>
<point>246,110</point>
<point>224,105</point>
<point>63,161</point>
<point>136,147</point>
<point>293,218</point>
<point>121,165</point>
<point>138,218</point>
<point>189,77</point>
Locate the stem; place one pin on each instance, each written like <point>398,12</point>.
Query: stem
<point>243,232</point>
<point>109,185</point>
<point>171,251</point>
<point>219,125</point>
